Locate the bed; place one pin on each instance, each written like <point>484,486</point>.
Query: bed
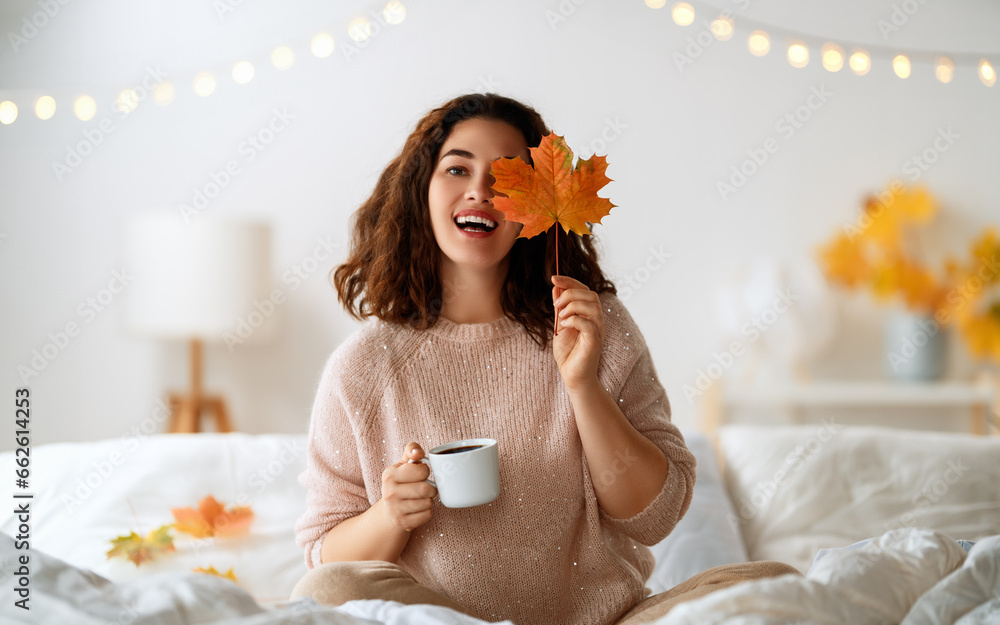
<point>851,507</point>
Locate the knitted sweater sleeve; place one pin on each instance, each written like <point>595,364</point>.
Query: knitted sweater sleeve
<point>333,476</point>
<point>628,372</point>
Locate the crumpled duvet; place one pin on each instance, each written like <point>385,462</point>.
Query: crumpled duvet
<point>910,576</point>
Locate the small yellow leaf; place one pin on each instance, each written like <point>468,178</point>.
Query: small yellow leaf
<point>211,571</point>
<point>137,549</point>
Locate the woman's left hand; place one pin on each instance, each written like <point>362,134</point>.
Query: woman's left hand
<point>577,347</point>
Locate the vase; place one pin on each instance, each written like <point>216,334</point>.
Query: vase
<point>916,347</point>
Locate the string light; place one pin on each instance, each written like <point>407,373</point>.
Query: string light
<point>45,107</point>
<point>944,70</point>
<point>860,62</point>
<point>759,43</point>
<point>85,108</point>
<point>832,56</point>
<point>798,55</point>
<point>656,4</point>
<point>163,93</point>
<point>8,112</point>
<point>359,29</point>
<point>394,12</point>
<point>282,57</point>
<point>204,84</point>
<point>987,74</point>
<point>722,28</point>
<point>127,100</point>
<point>901,65</point>
<point>243,72</point>
<point>683,14</point>
<point>322,45</point>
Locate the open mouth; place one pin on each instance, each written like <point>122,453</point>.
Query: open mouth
<point>475,223</point>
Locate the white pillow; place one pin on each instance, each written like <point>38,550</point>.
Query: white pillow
<point>798,489</point>
<point>705,537</point>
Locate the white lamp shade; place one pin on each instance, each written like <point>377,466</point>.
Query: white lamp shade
<point>194,280</point>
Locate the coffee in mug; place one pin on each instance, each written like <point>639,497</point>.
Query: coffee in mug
<point>465,473</point>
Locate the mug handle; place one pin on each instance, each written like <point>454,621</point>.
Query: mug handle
<point>424,461</point>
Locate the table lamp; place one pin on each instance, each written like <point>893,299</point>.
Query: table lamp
<point>193,281</point>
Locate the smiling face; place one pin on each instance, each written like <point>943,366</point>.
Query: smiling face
<point>469,230</point>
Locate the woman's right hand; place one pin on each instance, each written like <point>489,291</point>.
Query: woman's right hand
<point>406,495</point>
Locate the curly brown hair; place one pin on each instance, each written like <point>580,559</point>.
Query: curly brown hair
<point>392,272</point>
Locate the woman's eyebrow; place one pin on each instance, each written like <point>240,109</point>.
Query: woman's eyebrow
<point>457,152</point>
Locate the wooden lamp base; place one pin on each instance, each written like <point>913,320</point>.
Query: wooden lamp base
<point>186,409</point>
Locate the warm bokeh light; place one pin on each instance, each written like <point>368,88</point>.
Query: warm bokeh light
<point>987,74</point>
<point>656,4</point>
<point>8,112</point>
<point>163,93</point>
<point>394,12</point>
<point>944,70</point>
<point>759,43</point>
<point>833,57</point>
<point>85,108</point>
<point>204,84</point>
<point>798,55</point>
<point>127,100</point>
<point>683,14</point>
<point>322,45</point>
<point>45,107</point>
<point>282,57</point>
<point>901,66</point>
<point>860,62</point>
<point>359,29</point>
<point>722,28</point>
<point>243,72</point>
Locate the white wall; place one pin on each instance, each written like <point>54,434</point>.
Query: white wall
<point>681,131</point>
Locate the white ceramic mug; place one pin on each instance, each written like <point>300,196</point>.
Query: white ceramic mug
<point>466,478</point>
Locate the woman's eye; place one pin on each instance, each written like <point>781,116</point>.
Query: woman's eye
<point>455,171</point>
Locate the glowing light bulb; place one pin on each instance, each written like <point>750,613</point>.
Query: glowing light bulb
<point>798,55</point>
<point>833,57</point>
<point>8,112</point>
<point>282,57</point>
<point>85,108</point>
<point>45,107</point>
<point>987,74</point>
<point>860,62</point>
<point>901,66</point>
<point>204,84</point>
<point>359,29</point>
<point>163,94</point>
<point>944,70</point>
<point>759,43</point>
<point>322,45</point>
<point>127,100</point>
<point>394,12</point>
<point>722,28</point>
<point>243,72</point>
<point>683,14</point>
<point>656,4</point>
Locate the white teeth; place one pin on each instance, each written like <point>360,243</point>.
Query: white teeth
<point>475,219</point>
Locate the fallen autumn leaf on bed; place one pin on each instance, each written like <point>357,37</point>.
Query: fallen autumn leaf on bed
<point>211,571</point>
<point>137,549</point>
<point>552,191</point>
<point>212,519</point>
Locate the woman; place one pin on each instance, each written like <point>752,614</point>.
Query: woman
<point>462,346</point>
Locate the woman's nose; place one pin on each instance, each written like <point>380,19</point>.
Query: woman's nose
<point>481,188</point>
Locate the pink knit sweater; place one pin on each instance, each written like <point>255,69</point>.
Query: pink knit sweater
<point>544,552</point>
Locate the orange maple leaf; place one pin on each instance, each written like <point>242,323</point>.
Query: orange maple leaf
<point>211,519</point>
<point>137,549</point>
<point>552,191</point>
